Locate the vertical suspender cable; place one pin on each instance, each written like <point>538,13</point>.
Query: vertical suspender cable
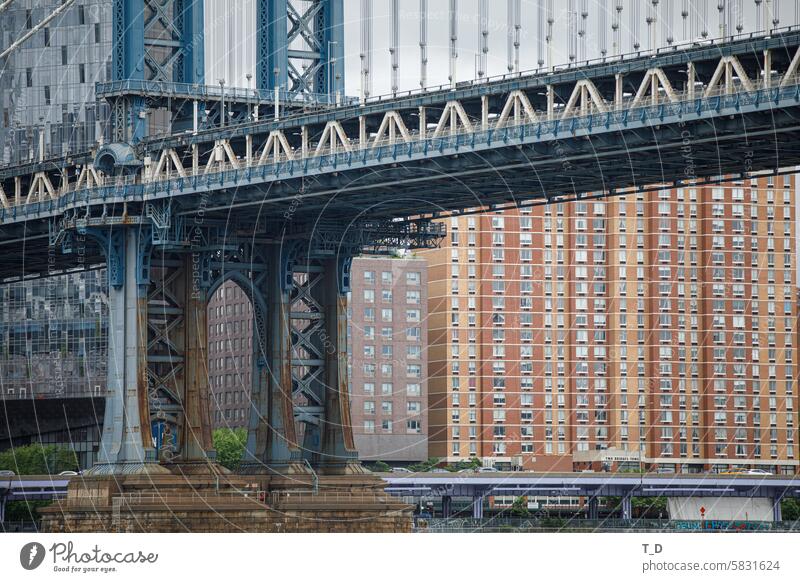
<point>366,48</point>
<point>616,26</point>
<point>483,42</point>
<point>602,26</point>
<point>453,41</point>
<point>572,31</point>
<point>684,17</point>
<point>514,34</point>
<point>667,20</point>
<point>582,30</point>
<point>549,38</point>
<point>540,32</point>
<point>394,40</point>
<point>758,14</point>
<point>423,43</point>
<point>652,40</point>
<point>722,16</point>
<point>740,16</point>
<point>634,25</point>
<point>776,13</point>
<point>704,19</point>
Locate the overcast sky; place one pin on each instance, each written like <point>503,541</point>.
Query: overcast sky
<point>230,46</point>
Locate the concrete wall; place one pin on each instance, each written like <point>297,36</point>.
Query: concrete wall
<point>720,508</point>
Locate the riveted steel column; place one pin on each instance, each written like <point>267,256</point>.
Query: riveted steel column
<point>272,440</point>
<point>338,449</point>
<point>196,442</point>
<point>126,445</point>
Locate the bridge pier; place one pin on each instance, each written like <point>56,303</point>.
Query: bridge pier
<point>300,375</point>
<point>125,446</point>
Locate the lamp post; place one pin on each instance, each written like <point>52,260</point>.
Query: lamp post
<point>249,77</point>
<point>222,103</point>
<point>331,65</point>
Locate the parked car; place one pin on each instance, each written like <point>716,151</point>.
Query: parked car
<point>401,470</point>
<point>68,473</point>
<point>5,473</point>
<point>439,470</point>
<point>758,472</point>
<point>488,470</point>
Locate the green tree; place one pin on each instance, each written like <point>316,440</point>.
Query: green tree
<point>472,463</point>
<point>38,459</point>
<point>229,444</point>
<point>424,466</point>
<point>380,467</point>
<point>790,509</point>
<point>649,507</point>
<point>520,507</point>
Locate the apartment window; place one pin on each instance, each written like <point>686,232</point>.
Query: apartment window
<point>386,277</point>
<point>413,278</point>
<point>413,389</point>
<point>369,277</point>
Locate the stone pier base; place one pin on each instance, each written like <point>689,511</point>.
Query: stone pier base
<point>216,503</point>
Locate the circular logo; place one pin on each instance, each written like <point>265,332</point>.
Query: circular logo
<point>31,555</point>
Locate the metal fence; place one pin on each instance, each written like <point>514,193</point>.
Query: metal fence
<point>487,525</point>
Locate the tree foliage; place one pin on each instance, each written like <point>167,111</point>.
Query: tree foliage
<point>520,507</point>
<point>35,459</point>
<point>38,459</point>
<point>380,467</point>
<point>229,444</point>
<point>472,463</point>
<point>424,466</point>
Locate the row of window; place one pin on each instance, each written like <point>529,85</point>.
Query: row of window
<point>412,277</point>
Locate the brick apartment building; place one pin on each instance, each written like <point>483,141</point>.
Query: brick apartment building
<point>388,348</point>
<point>230,346</point>
<point>654,330</point>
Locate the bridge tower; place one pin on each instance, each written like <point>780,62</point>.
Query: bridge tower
<point>153,41</point>
<point>300,48</point>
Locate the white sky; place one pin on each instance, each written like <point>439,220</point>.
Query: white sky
<point>230,42</point>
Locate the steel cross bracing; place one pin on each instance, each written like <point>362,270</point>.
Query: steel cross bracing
<point>154,40</point>
<point>605,127</point>
<point>300,47</point>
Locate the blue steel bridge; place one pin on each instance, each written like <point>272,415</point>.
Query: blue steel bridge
<point>281,204</point>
